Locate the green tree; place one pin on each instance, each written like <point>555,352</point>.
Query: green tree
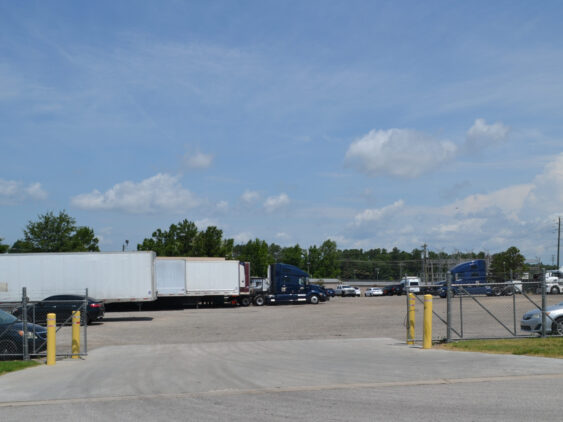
<point>3,248</point>
<point>56,233</point>
<point>293,255</point>
<point>184,239</point>
<point>505,263</point>
<point>328,265</point>
<point>257,253</point>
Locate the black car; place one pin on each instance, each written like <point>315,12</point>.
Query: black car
<point>393,289</point>
<point>12,337</point>
<point>63,306</point>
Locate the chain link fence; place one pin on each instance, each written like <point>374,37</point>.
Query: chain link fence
<point>493,311</point>
<point>23,333</point>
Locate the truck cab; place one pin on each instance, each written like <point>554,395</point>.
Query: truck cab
<point>468,278</point>
<point>289,284</point>
<point>410,285</point>
<point>554,281</point>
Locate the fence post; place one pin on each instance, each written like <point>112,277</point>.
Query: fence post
<point>449,310</point>
<point>543,306</point>
<point>24,320</point>
<point>86,321</point>
<point>427,337</point>
<point>51,339</point>
<point>75,345</point>
<point>410,322</point>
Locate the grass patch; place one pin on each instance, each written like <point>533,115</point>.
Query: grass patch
<point>551,347</point>
<point>16,365</point>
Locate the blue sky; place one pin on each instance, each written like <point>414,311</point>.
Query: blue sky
<point>375,124</point>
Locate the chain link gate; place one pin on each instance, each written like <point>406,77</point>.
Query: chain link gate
<point>22,330</point>
<point>495,312</point>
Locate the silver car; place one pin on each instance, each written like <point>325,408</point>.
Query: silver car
<point>532,320</point>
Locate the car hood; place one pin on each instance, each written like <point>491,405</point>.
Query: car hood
<point>558,307</point>
<point>30,327</point>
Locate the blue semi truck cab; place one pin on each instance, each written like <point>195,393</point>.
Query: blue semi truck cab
<point>468,278</point>
<point>286,284</point>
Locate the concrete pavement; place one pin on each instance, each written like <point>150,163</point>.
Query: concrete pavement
<point>259,377</point>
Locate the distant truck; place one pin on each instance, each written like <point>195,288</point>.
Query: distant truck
<point>468,278</point>
<point>554,281</point>
<point>108,276</point>
<point>410,284</point>
<point>345,290</point>
<point>286,284</point>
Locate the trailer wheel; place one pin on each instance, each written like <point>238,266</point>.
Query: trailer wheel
<point>554,290</point>
<point>244,301</point>
<point>259,300</point>
<point>314,299</point>
<point>557,327</point>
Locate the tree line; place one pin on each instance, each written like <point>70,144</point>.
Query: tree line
<point>60,233</point>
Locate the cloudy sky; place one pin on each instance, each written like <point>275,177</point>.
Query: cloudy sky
<point>373,123</point>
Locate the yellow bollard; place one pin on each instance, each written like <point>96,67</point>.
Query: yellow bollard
<point>427,341</point>
<point>51,339</point>
<point>410,322</point>
<point>75,347</point>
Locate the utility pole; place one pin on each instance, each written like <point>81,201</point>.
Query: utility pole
<point>425,280</point>
<point>558,241</point>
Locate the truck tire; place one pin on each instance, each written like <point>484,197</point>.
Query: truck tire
<point>244,301</point>
<point>259,300</point>
<point>557,327</point>
<point>497,291</point>
<point>314,299</point>
<point>554,290</point>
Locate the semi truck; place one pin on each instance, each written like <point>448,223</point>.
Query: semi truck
<point>286,284</point>
<point>108,276</point>
<point>216,280</point>
<point>554,281</point>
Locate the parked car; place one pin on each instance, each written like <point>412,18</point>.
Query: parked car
<point>63,306</point>
<point>330,292</point>
<point>532,320</point>
<point>12,337</point>
<point>344,290</point>
<point>374,291</point>
<point>357,290</point>
<point>393,289</point>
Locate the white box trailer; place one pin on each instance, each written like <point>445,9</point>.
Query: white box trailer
<point>108,276</point>
<point>205,278</point>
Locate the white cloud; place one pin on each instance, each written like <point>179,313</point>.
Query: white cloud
<point>274,203</point>
<point>250,196</point>
<point>198,160</point>
<point>222,206</point>
<point>243,237</point>
<point>283,236</point>
<point>401,153</point>
<point>160,193</point>
<point>482,135</point>
<point>13,191</point>
<point>377,214</point>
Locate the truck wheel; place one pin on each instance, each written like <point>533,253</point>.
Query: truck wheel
<point>557,327</point>
<point>259,300</point>
<point>244,301</point>
<point>554,290</point>
<point>314,299</point>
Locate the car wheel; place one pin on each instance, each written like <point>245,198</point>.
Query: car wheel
<point>557,327</point>
<point>554,290</point>
<point>7,347</point>
<point>259,300</point>
<point>314,299</point>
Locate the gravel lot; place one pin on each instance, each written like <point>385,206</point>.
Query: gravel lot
<point>351,317</point>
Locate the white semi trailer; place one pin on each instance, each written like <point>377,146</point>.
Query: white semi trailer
<point>108,276</point>
<point>203,279</point>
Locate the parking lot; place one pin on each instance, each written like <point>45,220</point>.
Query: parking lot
<point>349,317</point>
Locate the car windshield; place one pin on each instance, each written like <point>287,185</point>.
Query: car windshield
<point>6,318</point>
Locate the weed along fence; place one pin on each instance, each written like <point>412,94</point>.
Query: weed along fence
<point>486,311</point>
<point>55,328</point>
